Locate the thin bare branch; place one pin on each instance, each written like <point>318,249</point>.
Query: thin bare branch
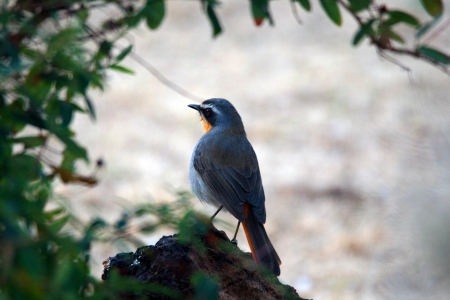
<point>295,13</point>
<point>158,75</point>
<point>437,32</point>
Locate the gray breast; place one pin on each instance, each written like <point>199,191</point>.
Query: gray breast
<point>198,186</point>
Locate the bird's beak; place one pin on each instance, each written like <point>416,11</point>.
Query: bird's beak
<point>194,106</point>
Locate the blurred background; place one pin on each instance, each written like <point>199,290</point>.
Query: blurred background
<point>354,151</point>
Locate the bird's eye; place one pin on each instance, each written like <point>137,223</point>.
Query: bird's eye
<point>207,112</point>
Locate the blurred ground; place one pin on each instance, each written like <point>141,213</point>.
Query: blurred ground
<point>354,155</point>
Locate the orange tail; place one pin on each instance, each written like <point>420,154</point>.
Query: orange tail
<point>262,250</point>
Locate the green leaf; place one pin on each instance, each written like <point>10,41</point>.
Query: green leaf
<point>396,16</point>
<point>133,21</point>
<point>12,117</point>
<point>365,30</point>
<point>205,286</point>
<point>154,13</point>
<point>394,36</point>
<point>427,26</point>
<point>72,147</point>
<point>37,87</point>
<point>66,112</point>
<point>75,149</point>
<point>59,224</point>
<point>68,162</point>
<point>359,5</point>
<point>82,14</point>
<point>149,228</point>
<point>332,10</point>
<point>121,69</point>
<point>260,11</point>
<point>124,53</point>
<point>433,7</point>
<point>49,215</point>
<point>105,48</point>
<point>90,106</point>
<point>213,19</point>
<point>434,54</point>
<point>24,168</point>
<point>31,141</point>
<point>30,117</point>
<point>62,39</point>
<point>122,223</point>
<point>304,3</point>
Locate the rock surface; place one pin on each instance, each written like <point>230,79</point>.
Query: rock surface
<point>199,267</point>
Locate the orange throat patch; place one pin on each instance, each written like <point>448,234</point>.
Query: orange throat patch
<point>206,125</point>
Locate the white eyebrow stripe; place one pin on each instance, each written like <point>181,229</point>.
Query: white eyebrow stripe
<point>214,109</point>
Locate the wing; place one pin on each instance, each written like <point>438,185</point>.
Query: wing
<point>233,176</point>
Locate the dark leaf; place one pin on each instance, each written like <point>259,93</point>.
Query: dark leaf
<point>90,106</point>
<point>59,224</point>
<point>332,10</point>
<point>31,141</point>
<point>82,14</point>
<point>154,13</point>
<point>72,147</point>
<point>62,39</point>
<point>434,54</point>
<point>133,21</point>
<point>148,228</point>
<point>24,168</point>
<point>30,117</point>
<point>12,117</point>
<point>68,162</point>
<point>66,112</point>
<point>121,69</point>
<point>358,5</point>
<point>260,11</point>
<point>433,7</point>
<point>394,36</point>
<point>49,215</point>
<point>122,223</point>
<point>213,19</point>
<point>396,16</point>
<point>205,286</point>
<point>92,229</point>
<point>124,53</point>
<point>105,49</point>
<point>304,3</point>
<point>365,30</point>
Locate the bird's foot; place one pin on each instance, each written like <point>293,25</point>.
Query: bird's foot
<point>234,242</point>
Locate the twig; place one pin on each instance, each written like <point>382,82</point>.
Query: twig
<point>396,62</point>
<point>438,31</point>
<point>295,13</point>
<point>158,75</point>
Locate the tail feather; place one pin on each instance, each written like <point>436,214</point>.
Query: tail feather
<point>263,252</point>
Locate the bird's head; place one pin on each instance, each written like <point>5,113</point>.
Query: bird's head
<point>219,114</point>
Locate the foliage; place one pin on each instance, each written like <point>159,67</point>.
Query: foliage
<point>378,24</point>
<point>50,57</point>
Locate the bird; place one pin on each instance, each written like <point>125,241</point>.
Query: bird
<point>224,172</point>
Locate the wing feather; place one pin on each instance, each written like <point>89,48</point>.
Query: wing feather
<point>231,182</point>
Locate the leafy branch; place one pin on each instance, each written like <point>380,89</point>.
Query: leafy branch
<point>377,23</point>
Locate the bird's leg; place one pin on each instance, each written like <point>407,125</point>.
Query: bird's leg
<point>213,216</point>
<point>234,240</point>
